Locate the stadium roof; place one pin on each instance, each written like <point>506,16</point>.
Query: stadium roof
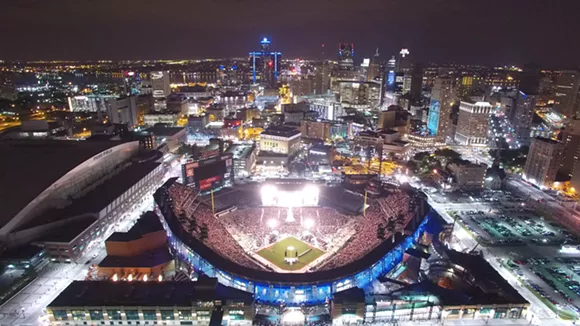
<point>146,294</point>
<point>31,166</point>
<point>98,198</point>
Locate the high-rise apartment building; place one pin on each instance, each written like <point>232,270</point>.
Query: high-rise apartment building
<point>442,97</point>
<point>473,123</point>
<point>123,111</point>
<point>160,83</point>
<point>522,115</point>
<point>543,161</point>
<point>571,139</point>
<point>566,97</point>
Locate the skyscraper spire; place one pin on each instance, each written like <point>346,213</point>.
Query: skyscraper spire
<point>377,52</point>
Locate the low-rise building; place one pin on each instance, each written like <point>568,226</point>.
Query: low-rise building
<point>172,136</point>
<point>177,103</point>
<point>204,302</point>
<point>140,253</point>
<point>280,139</point>
<point>464,175</point>
<point>244,156</point>
<point>168,118</point>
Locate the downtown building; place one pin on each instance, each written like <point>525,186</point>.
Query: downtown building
<point>543,162</point>
<point>566,100</point>
<point>473,123</point>
<point>442,97</point>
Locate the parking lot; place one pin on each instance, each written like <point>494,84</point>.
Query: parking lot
<point>514,226</point>
<point>531,247</point>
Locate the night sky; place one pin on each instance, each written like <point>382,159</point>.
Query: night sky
<point>441,31</point>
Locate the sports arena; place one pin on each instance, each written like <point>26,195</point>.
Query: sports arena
<point>292,243</point>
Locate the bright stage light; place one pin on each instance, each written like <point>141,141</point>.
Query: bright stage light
<point>268,193</point>
<point>293,317</point>
<point>309,223</point>
<point>272,223</point>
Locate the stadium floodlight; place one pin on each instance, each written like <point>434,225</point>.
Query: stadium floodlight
<point>308,223</point>
<point>311,193</point>
<point>268,193</point>
<point>272,223</point>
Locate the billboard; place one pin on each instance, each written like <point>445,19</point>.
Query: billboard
<point>188,173</point>
<point>391,81</point>
<point>433,122</point>
<point>209,173</point>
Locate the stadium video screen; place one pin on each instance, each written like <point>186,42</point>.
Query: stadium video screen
<point>211,170</point>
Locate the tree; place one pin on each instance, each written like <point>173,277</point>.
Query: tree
<point>204,232</point>
<point>392,228</point>
<point>381,232</point>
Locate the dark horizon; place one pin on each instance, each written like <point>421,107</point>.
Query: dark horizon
<point>474,32</point>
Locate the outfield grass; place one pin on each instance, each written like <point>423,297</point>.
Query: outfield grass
<point>275,253</point>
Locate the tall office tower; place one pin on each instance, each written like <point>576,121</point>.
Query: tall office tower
<point>322,77</point>
<point>566,93</point>
<point>525,102</point>
<point>522,115</point>
<point>442,97</point>
<point>374,70</point>
<point>543,161</point>
<point>529,82</point>
<point>346,56</point>
<point>416,82</point>
<point>570,137</point>
<point>160,83</point>
<point>265,64</point>
<point>404,61</point>
<point>123,111</point>
<point>473,123</point>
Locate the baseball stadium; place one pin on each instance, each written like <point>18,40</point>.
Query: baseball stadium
<point>293,243</point>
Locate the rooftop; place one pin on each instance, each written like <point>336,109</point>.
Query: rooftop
<point>164,131</point>
<point>148,223</point>
<point>147,259</point>
<point>146,294</point>
<point>281,131</point>
<point>33,165</point>
<point>240,151</point>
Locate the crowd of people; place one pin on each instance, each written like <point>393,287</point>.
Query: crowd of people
<point>244,231</point>
<point>198,219</point>
<point>258,227</point>
<point>378,215</point>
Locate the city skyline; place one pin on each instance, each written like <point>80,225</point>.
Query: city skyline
<point>478,32</point>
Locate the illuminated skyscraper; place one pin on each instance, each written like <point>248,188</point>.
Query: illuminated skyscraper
<point>346,56</point>
<point>442,97</point>
<point>265,64</point>
<point>567,100</point>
